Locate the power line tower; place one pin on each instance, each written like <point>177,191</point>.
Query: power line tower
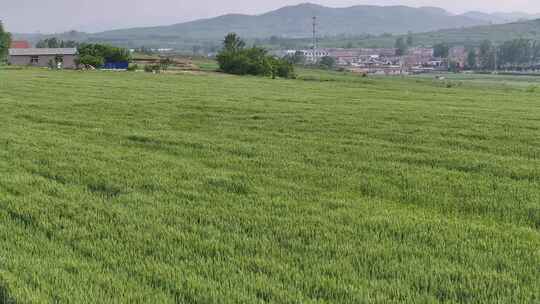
<point>314,37</point>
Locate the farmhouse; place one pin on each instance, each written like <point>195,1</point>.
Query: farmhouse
<point>43,57</point>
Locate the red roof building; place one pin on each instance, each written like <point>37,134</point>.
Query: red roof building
<point>20,45</point>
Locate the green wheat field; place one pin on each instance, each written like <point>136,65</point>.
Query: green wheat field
<point>331,188</point>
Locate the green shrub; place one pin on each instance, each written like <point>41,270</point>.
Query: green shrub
<point>51,64</point>
<point>133,67</point>
<point>327,62</point>
<point>152,68</point>
<point>90,60</point>
<point>235,59</point>
<point>97,54</point>
<point>283,69</point>
<point>251,61</point>
<point>531,89</point>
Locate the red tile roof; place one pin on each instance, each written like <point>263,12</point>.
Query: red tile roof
<point>20,45</point>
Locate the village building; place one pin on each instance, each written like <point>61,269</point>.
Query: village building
<point>314,55</point>
<point>384,60</point>
<point>344,56</point>
<point>421,52</point>
<point>458,55</point>
<point>59,58</point>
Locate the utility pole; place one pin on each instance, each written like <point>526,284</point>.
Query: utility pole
<point>495,51</point>
<point>314,38</point>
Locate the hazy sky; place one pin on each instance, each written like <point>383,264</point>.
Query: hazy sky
<point>46,16</point>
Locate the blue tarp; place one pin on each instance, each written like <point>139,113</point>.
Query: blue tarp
<point>116,65</point>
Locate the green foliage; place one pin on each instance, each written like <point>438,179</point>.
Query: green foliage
<point>297,58</point>
<point>90,60</point>
<point>282,68</point>
<point>327,62</point>
<point>532,89</point>
<point>51,64</point>
<point>410,39</point>
<point>441,50</point>
<point>453,67</point>
<point>519,52</point>
<point>487,55</point>
<point>98,54</point>
<point>54,42</point>
<point>153,68</point>
<point>401,46</point>
<point>133,67</point>
<point>471,59</point>
<point>233,43</point>
<point>236,59</point>
<point>121,188</point>
<point>5,41</point>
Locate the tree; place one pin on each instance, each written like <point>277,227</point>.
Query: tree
<point>48,43</point>
<point>98,54</point>
<point>54,42</point>
<point>401,47</point>
<point>517,52</point>
<point>90,60</point>
<point>410,39</point>
<point>327,62</point>
<point>233,43</point>
<point>69,44</point>
<point>471,59</point>
<point>441,50</point>
<point>487,55</point>
<point>453,67</point>
<point>250,61</point>
<point>282,68</point>
<point>5,41</point>
<point>234,58</point>
<point>296,58</point>
<point>536,51</point>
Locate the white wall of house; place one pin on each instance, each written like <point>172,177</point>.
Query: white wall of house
<point>41,60</point>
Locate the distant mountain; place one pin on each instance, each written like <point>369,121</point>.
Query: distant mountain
<point>470,36</point>
<point>516,16</point>
<point>295,21</point>
<point>489,18</point>
<point>497,33</point>
<point>499,18</point>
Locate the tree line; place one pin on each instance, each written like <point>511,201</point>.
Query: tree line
<point>55,43</point>
<point>5,41</point>
<point>518,53</point>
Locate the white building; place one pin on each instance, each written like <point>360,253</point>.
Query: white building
<point>314,55</point>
